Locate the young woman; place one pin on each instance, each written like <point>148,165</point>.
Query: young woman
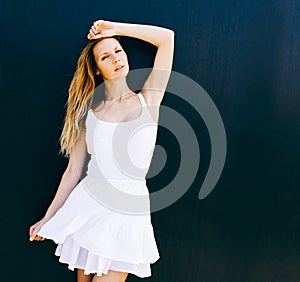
<point>99,231</point>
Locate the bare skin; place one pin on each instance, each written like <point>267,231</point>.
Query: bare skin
<point>111,276</point>
<point>81,277</point>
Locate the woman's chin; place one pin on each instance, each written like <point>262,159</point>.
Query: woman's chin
<point>120,75</point>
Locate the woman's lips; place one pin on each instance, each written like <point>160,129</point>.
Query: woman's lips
<point>119,68</point>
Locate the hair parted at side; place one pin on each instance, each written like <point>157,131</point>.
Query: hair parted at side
<point>80,92</point>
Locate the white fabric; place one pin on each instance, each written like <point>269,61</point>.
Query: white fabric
<point>91,233</point>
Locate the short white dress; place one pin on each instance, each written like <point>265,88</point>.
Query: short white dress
<point>105,223</point>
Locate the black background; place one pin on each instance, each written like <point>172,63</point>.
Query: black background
<point>245,54</point>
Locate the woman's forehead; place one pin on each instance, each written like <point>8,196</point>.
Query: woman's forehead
<point>106,44</point>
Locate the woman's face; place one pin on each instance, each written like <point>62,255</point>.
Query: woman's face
<point>111,59</point>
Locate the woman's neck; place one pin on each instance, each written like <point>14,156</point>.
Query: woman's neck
<point>116,88</point>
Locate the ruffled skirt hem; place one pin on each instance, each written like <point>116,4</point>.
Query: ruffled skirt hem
<point>96,239</point>
<point>77,257</point>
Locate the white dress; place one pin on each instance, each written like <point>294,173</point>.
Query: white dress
<point>105,223</point>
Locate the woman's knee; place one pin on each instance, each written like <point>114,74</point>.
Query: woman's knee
<point>81,277</point>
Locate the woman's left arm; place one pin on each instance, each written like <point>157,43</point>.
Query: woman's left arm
<point>163,38</point>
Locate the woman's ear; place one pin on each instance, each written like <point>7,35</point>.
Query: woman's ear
<point>97,72</point>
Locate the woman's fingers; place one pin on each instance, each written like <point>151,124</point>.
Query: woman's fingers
<point>39,238</point>
<point>31,231</point>
<point>91,36</point>
<point>92,32</point>
<point>95,29</point>
<point>32,235</point>
<point>34,229</point>
<point>100,29</point>
<point>98,23</point>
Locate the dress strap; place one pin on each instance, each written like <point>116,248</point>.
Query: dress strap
<point>145,108</point>
<point>142,99</point>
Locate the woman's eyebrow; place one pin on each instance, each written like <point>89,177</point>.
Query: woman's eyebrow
<point>107,52</point>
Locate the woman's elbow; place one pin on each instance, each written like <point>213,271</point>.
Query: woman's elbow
<point>170,34</point>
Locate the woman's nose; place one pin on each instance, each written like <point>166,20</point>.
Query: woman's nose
<point>116,59</point>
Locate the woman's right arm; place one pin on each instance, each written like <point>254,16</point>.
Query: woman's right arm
<point>68,182</point>
<point>70,177</point>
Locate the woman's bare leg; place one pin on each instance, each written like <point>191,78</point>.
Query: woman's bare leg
<point>111,276</point>
<point>81,277</point>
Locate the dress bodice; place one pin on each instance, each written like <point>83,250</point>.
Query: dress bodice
<point>121,150</point>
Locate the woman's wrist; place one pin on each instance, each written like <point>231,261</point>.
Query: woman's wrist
<point>47,216</point>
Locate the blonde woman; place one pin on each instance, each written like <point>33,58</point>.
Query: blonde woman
<point>105,240</point>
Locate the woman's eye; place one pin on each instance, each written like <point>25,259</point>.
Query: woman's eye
<point>103,58</point>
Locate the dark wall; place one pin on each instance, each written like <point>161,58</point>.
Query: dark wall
<point>245,54</point>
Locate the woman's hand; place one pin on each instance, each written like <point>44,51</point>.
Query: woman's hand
<point>101,29</point>
<point>34,229</point>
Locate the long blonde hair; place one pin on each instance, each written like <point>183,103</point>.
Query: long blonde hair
<point>80,93</point>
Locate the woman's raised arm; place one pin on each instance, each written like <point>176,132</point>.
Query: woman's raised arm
<point>163,38</point>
